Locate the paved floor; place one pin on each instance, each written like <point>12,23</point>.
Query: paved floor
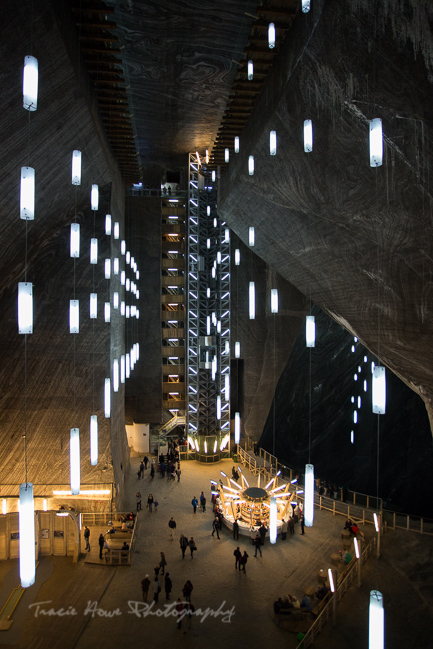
<point>85,606</point>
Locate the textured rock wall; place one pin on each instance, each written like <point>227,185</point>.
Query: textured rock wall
<point>66,119</point>
<point>357,240</point>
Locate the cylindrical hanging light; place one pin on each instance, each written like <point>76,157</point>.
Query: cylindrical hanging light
<point>107,268</point>
<point>226,155</point>
<point>107,312</point>
<point>116,375</point>
<point>213,175</point>
<point>273,520</point>
<point>30,83</point>
<point>74,316</point>
<point>218,407</point>
<point>27,535</point>
<point>376,142</point>
<point>376,633</point>
<point>237,144</point>
<point>116,266</point>
<point>5,509</point>
<point>250,70</point>
<point>123,246</point>
<point>308,135</point>
<point>93,305</point>
<point>25,307</point>
<point>251,236</point>
<point>271,36</point>
<point>93,440</point>
<point>379,390</point>
<point>94,198</point>
<point>93,251</point>
<point>226,387</point>
<point>274,300</point>
<point>122,368</point>
<point>237,427</point>
<point>127,366</point>
<point>108,224</point>
<point>122,308</point>
<point>74,461</point>
<point>122,277</point>
<point>227,347</point>
<point>273,142</point>
<point>237,349</point>
<point>27,194</point>
<point>226,235</point>
<point>305,6</point>
<point>107,398</point>
<point>237,257</point>
<point>45,504</point>
<point>75,240</point>
<point>309,495</point>
<point>116,231</point>
<point>310,331</point>
<point>115,300</point>
<point>251,165</point>
<point>76,167</point>
<point>252,301</point>
<point>127,311</point>
<point>127,284</point>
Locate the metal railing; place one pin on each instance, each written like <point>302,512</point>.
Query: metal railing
<point>343,584</point>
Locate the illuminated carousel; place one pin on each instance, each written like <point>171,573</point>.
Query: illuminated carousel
<point>252,506</point>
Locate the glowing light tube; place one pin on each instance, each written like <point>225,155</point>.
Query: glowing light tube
<point>379,390</point>
<point>75,240</point>
<point>74,316</point>
<point>93,305</point>
<point>107,398</point>
<point>251,165</point>
<point>250,70</point>
<point>376,634</point>
<point>25,307</point>
<point>122,368</point>
<point>274,300</point>
<point>237,144</point>
<point>376,142</point>
<point>252,301</point>
<point>116,231</point>
<point>310,331</point>
<point>237,427</point>
<point>108,224</point>
<point>30,83</point>
<point>308,135</point>
<point>107,312</point>
<point>76,167</point>
<point>273,521</point>
<point>94,197</point>
<point>309,495</point>
<point>107,268</point>
<point>27,535</point>
<point>74,461</point>
<point>226,155</point>
<point>251,236</point>
<point>116,375</point>
<point>93,251</point>
<point>218,407</point>
<point>273,143</point>
<point>271,36</point>
<point>93,440</point>
<point>27,194</point>
<point>305,6</point>
<point>226,387</point>
<point>237,257</point>
<point>237,349</point>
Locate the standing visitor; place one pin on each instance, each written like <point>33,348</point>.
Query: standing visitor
<point>145,583</point>
<point>183,544</point>
<point>150,502</point>
<point>138,497</point>
<point>101,542</point>
<point>192,546</point>
<point>238,557</point>
<point>194,503</point>
<point>172,526</point>
<point>87,537</point>
<point>168,584</point>
<point>156,589</point>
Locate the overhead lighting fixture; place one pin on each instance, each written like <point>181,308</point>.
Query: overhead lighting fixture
<point>251,165</point>
<point>74,316</point>
<point>94,198</point>
<point>108,224</point>
<point>26,518</point>
<point>376,142</point>
<point>27,194</point>
<point>251,236</point>
<point>237,144</point>
<point>309,495</point>
<point>93,440</point>
<point>271,36</point>
<point>237,257</point>
<point>116,266</point>
<point>273,143</point>
<point>116,375</point>
<point>226,155</point>
<point>379,390</point>
<point>116,231</point>
<point>237,349</point>
<point>30,83</point>
<point>308,135</point>
<point>213,176</point>
<point>273,521</point>
<point>252,301</point>
<point>93,305</point>
<point>107,312</point>
<point>376,621</point>
<point>93,251</point>
<point>25,308</point>
<point>107,397</point>
<point>237,427</point>
<point>274,300</point>
<point>250,70</point>
<point>310,331</point>
<point>74,247</point>
<point>74,461</point>
<point>76,167</point>
<point>305,6</point>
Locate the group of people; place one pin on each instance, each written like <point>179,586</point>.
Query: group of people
<point>240,559</point>
<point>353,529</point>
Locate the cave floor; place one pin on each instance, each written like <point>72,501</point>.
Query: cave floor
<point>101,606</point>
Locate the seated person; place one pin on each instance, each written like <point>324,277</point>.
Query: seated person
<point>287,601</point>
<point>348,525</point>
<point>125,546</point>
<point>124,526</point>
<point>306,603</point>
<point>295,601</point>
<point>131,516</point>
<point>322,591</point>
<point>354,529</point>
<point>112,530</point>
<point>346,557</point>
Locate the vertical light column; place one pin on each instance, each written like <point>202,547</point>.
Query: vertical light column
<point>273,520</point>
<point>27,535</point>
<point>310,331</point>
<point>74,316</point>
<point>252,301</point>
<point>25,307</point>
<point>27,194</point>
<point>379,390</point>
<point>237,144</point>
<point>376,143</point>
<point>94,198</point>
<point>107,398</point>
<point>30,83</point>
<point>93,440</point>
<point>74,461</point>
<point>250,70</point>
<point>308,136</point>
<point>75,240</point>
<point>273,143</point>
<point>76,167</point>
<point>251,165</point>
<point>376,634</point>
<point>274,300</point>
<point>309,495</point>
<point>271,36</point>
<point>251,236</point>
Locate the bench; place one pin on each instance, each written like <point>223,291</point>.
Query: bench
<point>113,556</point>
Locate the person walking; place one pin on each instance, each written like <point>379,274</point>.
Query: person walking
<point>172,526</point>
<point>142,469</point>
<point>145,583</point>
<point>236,530</point>
<point>87,537</point>
<point>262,532</point>
<point>168,585</point>
<point>216,526</point>
<point>152,470</point>
<point>283,530</point>
<point>203,502</point>
<point>258,544</point>
<point>194,503</point>
<point>150,502</point>
<point>162,562</point>
<point>138,497</point>
<point>183,544</point>
<point>145,462</point>
<point>192,546</point>
<point>187,590</point>
<point>101,542</point>
<point>179,610</point>
<point>301,520</point>
<point>178,472</point>
<point>156,589</point>
<point>244,560</point>
<point>238,557</point>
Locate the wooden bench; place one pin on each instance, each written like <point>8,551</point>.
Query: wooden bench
<point>118,557</point>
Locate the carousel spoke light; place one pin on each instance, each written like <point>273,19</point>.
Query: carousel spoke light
<point>75,240</point>
<point>27,194</point>
<point>273,143</point>
<point>27,535</point>
<point>252,301</point>
<point>308,136</point>
<point>251,165</point>
<point>74,461</point>
<point>379,390</point>
<point>74,316</point>
<point>376,635</point>
<point>25,307</point>
<point>309,495</point>
<point>76,167</point>
<point>93,440</point>
<point>94,198</point>
<point>310,331</point>
<point>376,142</point>
<point>30,83</point>
<point>271,36</point>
